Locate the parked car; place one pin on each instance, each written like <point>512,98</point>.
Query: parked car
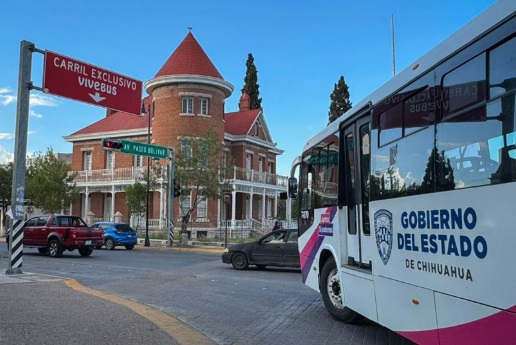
<point>117,234</point>
<point>55,233</point>
<point>277,248</point>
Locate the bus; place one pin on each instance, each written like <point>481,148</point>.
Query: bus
<point>406,201</point>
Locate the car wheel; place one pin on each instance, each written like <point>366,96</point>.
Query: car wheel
<point>85,251</point>
<point>261,267</point>
<point>43,250</point>
<point>239,261</point>
<point>331,291</point>
<point>129,247</point>
<point>110,244</point>
<point>55,249</point>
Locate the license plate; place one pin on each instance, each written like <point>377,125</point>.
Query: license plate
<point>88,242</point>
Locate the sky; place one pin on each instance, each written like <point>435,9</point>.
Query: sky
<point>300,49</point>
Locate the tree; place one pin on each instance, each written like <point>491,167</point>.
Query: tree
<point>340,102</point>
<point>251,83</point>
<point>49,185</point>
<point>6,184</point>
<point>135,199</point>
<point>202,173</point>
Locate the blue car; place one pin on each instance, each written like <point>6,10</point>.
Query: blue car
<point>117,234</point>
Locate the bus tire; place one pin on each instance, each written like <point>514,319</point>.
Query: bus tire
<point>331,291</point>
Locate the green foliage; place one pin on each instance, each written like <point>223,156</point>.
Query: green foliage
<point>6,185</point>
<point>136,199</point>
<point>251,83</point>
<point>49,185</point>
<point>340,102</point>
<point>202,173</point>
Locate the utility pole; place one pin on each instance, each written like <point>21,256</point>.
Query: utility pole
<point>171,197</point>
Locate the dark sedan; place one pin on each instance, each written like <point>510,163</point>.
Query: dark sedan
<point>278,248</point>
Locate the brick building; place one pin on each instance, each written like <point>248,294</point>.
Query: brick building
<point>186,96</point>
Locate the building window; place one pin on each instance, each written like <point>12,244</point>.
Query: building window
<point>185,205</point>
<point>271,167</point>
<point>186,147</point>
<point>204,106</point>
<point>202,208</point>
<point>86,159</point>
<point>110,160</point>
<point>138,161</point>
<point>260,164</point>
<point>187,105</point>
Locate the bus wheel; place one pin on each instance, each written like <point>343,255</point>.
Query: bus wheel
<point>331,292</point>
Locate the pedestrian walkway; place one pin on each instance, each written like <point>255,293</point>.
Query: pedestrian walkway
<point>41,309</point>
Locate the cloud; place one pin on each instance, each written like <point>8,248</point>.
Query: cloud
<point>6,136</point>
<point>34,114</point>
<point>42,100</point>
<point>6,99</point>
<point>5,156</point>
<point>5,90</point>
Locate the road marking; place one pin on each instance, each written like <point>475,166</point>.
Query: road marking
<point>178,330</point>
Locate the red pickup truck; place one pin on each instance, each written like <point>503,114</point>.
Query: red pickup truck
<point>54,233</point>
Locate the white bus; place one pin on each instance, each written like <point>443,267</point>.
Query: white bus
<point>407,202</point>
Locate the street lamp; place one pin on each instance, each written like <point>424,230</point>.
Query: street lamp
<point>147,241</point>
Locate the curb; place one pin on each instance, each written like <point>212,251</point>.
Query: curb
<point>176,329</point>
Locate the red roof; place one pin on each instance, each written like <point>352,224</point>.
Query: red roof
<point>240,122</point>
<point>189,58</point>
<point>119,121</point>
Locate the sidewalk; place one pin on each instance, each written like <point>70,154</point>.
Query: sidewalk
<point>41,309</point>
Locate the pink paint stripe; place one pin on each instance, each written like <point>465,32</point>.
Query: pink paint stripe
<point>497,329</point>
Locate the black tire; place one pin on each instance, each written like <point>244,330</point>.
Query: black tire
<point>331,292</point>
<point>55,250</point>
<point>261,267</point>
<point>43,250</point>
<point>85,251</point>
<point>109,243</point>
<point>239,261</point>
<point>129,246</point>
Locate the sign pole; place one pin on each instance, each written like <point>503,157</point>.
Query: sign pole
<point>20,150</point>
<point>171,197</point>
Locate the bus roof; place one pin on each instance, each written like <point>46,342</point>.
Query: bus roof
<point>495,15</point>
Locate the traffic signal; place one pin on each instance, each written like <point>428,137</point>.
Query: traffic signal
<point>177,189</point>
<point>111,145</point>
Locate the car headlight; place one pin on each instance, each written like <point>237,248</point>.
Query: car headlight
<point>226,250</point>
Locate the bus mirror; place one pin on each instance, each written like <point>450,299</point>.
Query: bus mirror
<point>292,188</point>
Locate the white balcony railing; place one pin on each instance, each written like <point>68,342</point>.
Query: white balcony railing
<point>135,173</point>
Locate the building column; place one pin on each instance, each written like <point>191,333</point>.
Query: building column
<point>263,206</point>
<point>113,196</point>
<point>249,212</point>
<point>161,208</point>
<point>233,208</point>
<point>87,201</point>
<point>276,204</point>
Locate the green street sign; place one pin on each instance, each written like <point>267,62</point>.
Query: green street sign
<point>146,150</point>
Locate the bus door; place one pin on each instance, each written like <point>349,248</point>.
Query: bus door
<point>356,181</point>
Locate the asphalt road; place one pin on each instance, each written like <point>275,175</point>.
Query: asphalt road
<point>228,306</point>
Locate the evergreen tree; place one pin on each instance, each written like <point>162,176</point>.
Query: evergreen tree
<point>135,199</point>
<point>251,83</point>
<point>340,102</point>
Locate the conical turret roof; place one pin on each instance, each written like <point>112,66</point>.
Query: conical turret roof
<point>189,59</point>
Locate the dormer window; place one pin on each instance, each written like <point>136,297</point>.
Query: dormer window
<point>187,107</point>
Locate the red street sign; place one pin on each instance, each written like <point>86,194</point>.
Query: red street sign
<point>70,78</point>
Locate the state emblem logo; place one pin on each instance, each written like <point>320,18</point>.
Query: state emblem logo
<point>383,233</point>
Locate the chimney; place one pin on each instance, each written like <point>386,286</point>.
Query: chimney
<point>245,102</point>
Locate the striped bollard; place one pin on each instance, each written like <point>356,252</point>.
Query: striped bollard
<point>15,247</point>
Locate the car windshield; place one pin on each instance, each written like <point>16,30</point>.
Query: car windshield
<point>123,227</point>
